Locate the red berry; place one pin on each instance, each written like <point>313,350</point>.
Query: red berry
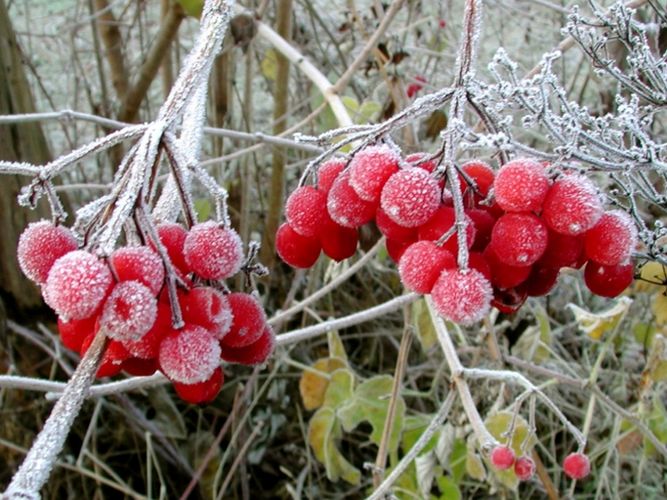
<point>612,240</point>
<point>40,245</point>
<point>482,175</point>
<point>422,263</point>
<point>415,87</point>
<point>338,242</point>
<point>140,264</point>
<point>541,280</point>
<point>129,312</point>
<point>519,239</point>
<point>369,170</point>
<point>77,284</point>
<point>139,367</point>
<point>249,320</point>
<point>209,308</point>
<point>572,205</point>
<point>502,457</point>
<point>305,210</point>
<point>562,250</point>
<point>253,354</point>
<point>484,222</point>
<point>392,230</point>
<point>172,236</point>
<point>396,249</point>
<point>524,468</point>
<point>328,172</point>
<point>298,251</point>
<point>521,186</point>
<point>510,300</point>
<point>415,159</point>
<point>346,207</point>
<point>462,296</point>
<point>148,346</point>
<point>477,261</point>
<point>410,197</point>
<point>576,466</point>
<point>74,332</point>
<point>189,355</point>
<point>504,275</point>
<point>441,222</point>
<point>608,281</point>
<point>201,392</point>
<point>213,252</point>
<point>113,357</point>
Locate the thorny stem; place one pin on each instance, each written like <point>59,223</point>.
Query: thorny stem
<point>38,463</point>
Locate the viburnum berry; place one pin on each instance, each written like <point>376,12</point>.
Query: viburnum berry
<point>484,222</point>
<point>410,197</point>
<point>213,252</point>
<point>207,307</point>
<point>148,346</point>
<point>391,229</point>
<point>463,297</point>
<point>541,280</point>
<point>113,357</point>
<point>482,175</point>
<point>563,250</point>
<point>75,331</point>
<point>369,170</point>
<point>415,86</point>
<point>478,262</point>
<point>417,160</point>
<point>172,236</point>
<point>346,207</point>
<point>612,240</point>
<point>139,367</point>
<point>338,242</point>
<point>249,320</point>
<point>252,354</point>
<point>524,468</point>
<point>422,263</point>
<point>201,392</point>
<point>440,223</point>
<point>305,210</point>
<point>77,284</point>
<point>40,245</point>
<point>129,312</point>
<point>396,249</point>
<point>519,239</point>
<point>505,275</point>
<point>572,205</point>
<point>189,355</point>
<point>298,251</point>
<point>140,264</point>
<point>521,186</point>
<point>576,466</point>
<point>502,457</point>
<point>328,172</point>
<point>608,281</point>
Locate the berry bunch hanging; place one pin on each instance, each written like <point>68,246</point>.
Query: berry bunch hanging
<point>523,224</point>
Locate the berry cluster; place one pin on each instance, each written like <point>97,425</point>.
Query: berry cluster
<point>575,465</point>
<point>522,228</point>
<point>126,296</point>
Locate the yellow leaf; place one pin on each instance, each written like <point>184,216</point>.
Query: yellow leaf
<point>315,381</point>
<point>269,64</point>
<point>423,325</point>
<point>475,465</point>
<point>595,325</point>
<point>651,274</point>
<point>659,307</point>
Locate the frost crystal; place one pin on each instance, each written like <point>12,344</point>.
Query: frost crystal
<point>463,297</point>
<point>189,356</point>
<point>410,197</point>
<point>213,252</point>
<point>129,312</point>
<point>40,245</point>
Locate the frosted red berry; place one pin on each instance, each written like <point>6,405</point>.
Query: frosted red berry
<point>249,320</point>
<point>201,392</point>
<point>519,239</point>
<point>252,354</point>
<point>524,468</point>
<point>396,249</point>
<point>113,357</point>
<point>305,210</point>
<point>338,242</point>
<point>563,250</point>
<point>296,250</point>
<point>484,222</point>
<point>576,466</point>
<point>148,346</point>
<point>209,308</point>
<point>129,312</point>
<point>346,207</point>
<point>139,367</point>
<point>521,186</point>
<point>74,332</point>
<point>572,205</point>
<point>417,160</point>
<point>391,229</point>
<point>213,252</point>
<point>505,275</point>
<point>481,174</point>
<point>477,261</point>
<point>172,236</point>
<point>189,355</point>
<point>612,240</point>
<point>442,222</point>
<point>422,263</point>
<point>509,300</point>
<point>541,280</point>
<point>328,172</point>
<point>77,284</point>
<point>410,197</point>
<point>140,264</point>
<point>608,281</point>
<point>502,457</point>
<point>40,245</point>
<point>463,297</point>
<point>369,170</point>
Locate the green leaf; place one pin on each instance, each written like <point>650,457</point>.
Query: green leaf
<point>336,347</point>
<point>644,333</point>
<point>423,325</point>
<point>368,111</point>
<point>448,488</point>
<point>457,460</point>
<point>657,422</point>
<point>315,381</point>
<point>323,432</point>
<point>370,403</point>
<point>340,389</point>
<point>203,208</point>
<point>474,464</point>
<point>192,8</point>
<point>413,428</point>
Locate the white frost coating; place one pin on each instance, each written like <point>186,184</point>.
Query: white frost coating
<point>213,252</point>
<point>190,356</point>
<point>207,307</point>
<point>463,297</point>
<point>138,263</point>
<point>40,245</point>
<point>370,168</point>
<point>305,210</point>
<point>129,312</point>
<point>346,207</point>
<point>572,205</point>
<point>410,197</point>
<point>77,284</point>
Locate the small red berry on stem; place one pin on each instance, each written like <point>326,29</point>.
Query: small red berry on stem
<point>40,245</point>
<point>138,263</point>
<point>572,205</point>
<point>576,466</point>
<point>521,186</point>
<point>298,251</point>
<point>612,240</point>
<point>422,263</point>
<point>463,297</point>
<point>502,457</point>
<point>213,252</point>
<point>305,210</point>
<point>410,197</point>
<point>369,170</point>
<point>524,468</point>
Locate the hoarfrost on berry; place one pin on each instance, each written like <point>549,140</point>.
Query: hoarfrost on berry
<point>213,252</point>
<point>369,170</point>
<point>346,207</point>
<point>422,263</point>
<point>190,355</point>
<point>40,245</point>
<point>328,172</point>
<point>252,354</point>
<point>305,210</point>
<point>297,250</point>
<point>207,307</point>
<point>576,466</point>
<point>463,297</point>
<point>249,320</point>
<point>410,197</point>
<point>138,263</point>
<point>521,186</point>
<point>129,312</point>
<point>612,240</point>
<point>572,205</point>
<point>502,457</point>
<point>519,239</point>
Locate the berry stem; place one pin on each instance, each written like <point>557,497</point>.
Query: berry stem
<point>37,465</point>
